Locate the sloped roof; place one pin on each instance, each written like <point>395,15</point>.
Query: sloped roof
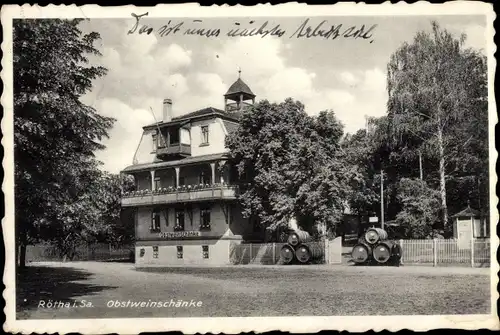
<point>200,112</point>
<point>234,116</point>
<point>180,162</point>
<point>239,87</point>
<point>468,212</point>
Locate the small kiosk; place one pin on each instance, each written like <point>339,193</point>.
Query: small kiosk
<point>469,224</point>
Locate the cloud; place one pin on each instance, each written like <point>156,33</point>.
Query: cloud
<point>348,78</point>
<point>124,136</point>
<point>142,72</point>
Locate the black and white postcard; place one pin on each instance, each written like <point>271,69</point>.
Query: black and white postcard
<point>234,169</point>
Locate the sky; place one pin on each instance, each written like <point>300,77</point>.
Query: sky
<point>347,76</point>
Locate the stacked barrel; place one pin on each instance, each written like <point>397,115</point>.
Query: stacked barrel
<point>374,247</point>
<point>300,248</point>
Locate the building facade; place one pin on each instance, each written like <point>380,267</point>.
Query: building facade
<point>185,198</point>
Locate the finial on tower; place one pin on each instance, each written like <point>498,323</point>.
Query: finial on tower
<point>239,72</point>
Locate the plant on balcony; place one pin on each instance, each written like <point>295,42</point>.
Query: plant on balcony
<point>178,228</point>
<point>205,227</point>
<point>170,189</point>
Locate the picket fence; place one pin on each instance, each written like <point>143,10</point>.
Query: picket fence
<point>92,252</point>
<point>437,252</point>
<point>475,253</point>
<point>269,253</point>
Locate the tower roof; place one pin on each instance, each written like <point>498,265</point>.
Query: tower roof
<point>239,87</point>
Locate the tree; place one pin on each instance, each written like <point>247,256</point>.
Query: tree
<point>420,208</point>
<point>434,85</point>
<point>55,134</point>
<point>290,165</point>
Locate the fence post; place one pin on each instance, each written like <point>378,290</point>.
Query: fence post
<point>472,252</point>
<point>274,253</point>
<point>250,246</point>
<point>434,251</point>
<point>327,251</point>
<point>402,252</point>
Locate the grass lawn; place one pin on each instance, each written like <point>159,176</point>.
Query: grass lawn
<point>252,290</point>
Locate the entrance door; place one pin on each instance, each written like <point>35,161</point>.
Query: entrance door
<point>464,232</point>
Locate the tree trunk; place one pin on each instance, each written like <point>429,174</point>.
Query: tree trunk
<point>442,180</point>
<point>21,249</point>
<point>420,165</point>
<point>22,255</point>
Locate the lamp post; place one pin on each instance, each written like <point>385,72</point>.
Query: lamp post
<point>382,199</point>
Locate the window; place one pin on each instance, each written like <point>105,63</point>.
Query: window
<point>157,183</point>
<point>182,181</point>
<point>180,252</point>
<point>174,136</point>
<point>205,218</point>
<point>155,221</point>
<point>165,213</point>
<point>204,249</point>
<point>161,140</point>
<point>155,251</point>
<point>179,219</point>
<point>204,135</point>
<point>155,143</point>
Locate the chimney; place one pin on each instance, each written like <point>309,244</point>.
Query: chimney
<point>167,110</point>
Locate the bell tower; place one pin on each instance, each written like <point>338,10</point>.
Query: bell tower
<point>239,96</point>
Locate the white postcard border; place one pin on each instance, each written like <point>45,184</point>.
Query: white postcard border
<point>236,324</point>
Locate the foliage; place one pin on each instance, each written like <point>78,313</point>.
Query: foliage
<point>290,165</point>
<point>437,97</point>
<point>55,134</point>
<point>420,208</point>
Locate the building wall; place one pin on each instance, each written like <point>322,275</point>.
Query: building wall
<point>218,223</point>
<point>143,180</point>
<point>218,253</point>
<point>145,150</point>
<point>216,137</point>
<point>223,232</point>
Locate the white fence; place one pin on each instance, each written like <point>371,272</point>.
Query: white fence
<point>441,252</point>
<point>269,253</point>
<point>438,252</point>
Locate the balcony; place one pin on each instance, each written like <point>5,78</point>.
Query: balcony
<point>181,194</point>
<point>234,107</point>
<point>183,150</point>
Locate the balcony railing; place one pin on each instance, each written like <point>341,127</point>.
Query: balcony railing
<point>189,193</point>
<point>174,150</point>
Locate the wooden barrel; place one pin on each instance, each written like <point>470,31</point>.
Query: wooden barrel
<point>361,253</point>
<point>382,253</point>
<point>287,254</point>
<point>374,235</point>
<point>297,237</point>
<point>308,252</point>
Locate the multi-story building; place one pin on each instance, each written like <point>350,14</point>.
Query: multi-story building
<point>185,204</point>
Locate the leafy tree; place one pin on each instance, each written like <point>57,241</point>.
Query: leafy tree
<point>290,165</point>
<point>55,134</point>
<point>435,86</point>
<point>420,208</point>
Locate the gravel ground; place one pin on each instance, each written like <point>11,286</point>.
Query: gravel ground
<point>86,289</point>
